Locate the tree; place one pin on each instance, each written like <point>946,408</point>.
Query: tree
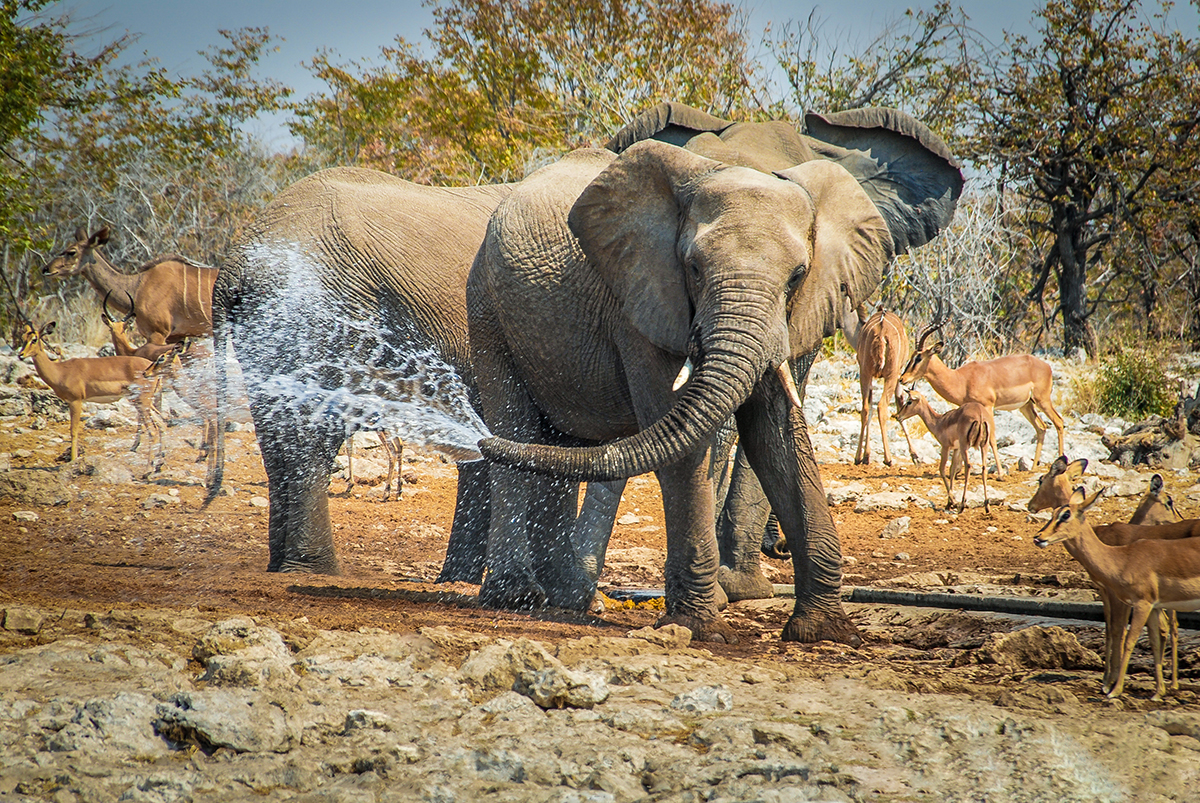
<point>1090,125</point>
<point>507,80</point>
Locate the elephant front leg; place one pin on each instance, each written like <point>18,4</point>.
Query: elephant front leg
<point>692,553</point>
<point>775,436</point>
<point>741,524</point>
<point>510,583</point>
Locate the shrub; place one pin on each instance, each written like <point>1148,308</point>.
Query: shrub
<point>1133,386</point>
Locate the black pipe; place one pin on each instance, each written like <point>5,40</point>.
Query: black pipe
<point>1019,606</point>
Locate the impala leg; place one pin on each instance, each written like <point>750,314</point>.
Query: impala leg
<point>946,481</point>
<point>882,411</point>
<point>1175,652</point>
<point>1047,407</point>
<point>1039,429</point>
<point>1156,625</point>
<point>399,443</point>
<point>911,453</point>
<point>391,456</point>
<point>965,456</point>
<point>1116,619</point>
<point>349,445</point>
<point>76,408</point>
<point>1137,621</point>
<point>863,454</point>
<point>983,471</point>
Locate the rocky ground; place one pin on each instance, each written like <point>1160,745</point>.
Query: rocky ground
<point>146,655</point>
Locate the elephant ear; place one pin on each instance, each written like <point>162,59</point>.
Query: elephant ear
<point>667,122</point>
<point>850,246</point>
<point>905,168</point>
<point>627,222</point>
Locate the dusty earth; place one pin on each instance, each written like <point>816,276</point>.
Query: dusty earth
<point>85,546</point>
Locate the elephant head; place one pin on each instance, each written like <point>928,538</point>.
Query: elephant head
<point>735,269</point>
<point>906,169</point>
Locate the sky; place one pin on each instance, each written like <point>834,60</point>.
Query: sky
<point>173,32</point>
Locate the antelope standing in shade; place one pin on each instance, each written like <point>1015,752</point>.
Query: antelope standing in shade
<point>173,296</point>
<point>1018,381</point>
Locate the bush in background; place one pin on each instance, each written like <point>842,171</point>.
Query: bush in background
<point>1132,385</point>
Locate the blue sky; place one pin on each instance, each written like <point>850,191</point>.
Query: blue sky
<point>173,31</point>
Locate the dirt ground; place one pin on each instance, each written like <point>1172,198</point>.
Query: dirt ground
<point>146,544</point>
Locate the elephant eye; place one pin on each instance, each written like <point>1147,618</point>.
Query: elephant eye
<point>796,277</point>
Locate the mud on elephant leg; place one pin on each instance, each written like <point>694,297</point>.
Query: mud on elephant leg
<point>740,526</point>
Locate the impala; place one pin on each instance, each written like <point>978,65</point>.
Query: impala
<point>103,380</point>
<point>1148,575</point>
<point>119,330</point>
<point>393,447</point>
<point>881,347</point>
<point>959,430</point>
<point>174,296</point>
<point>1155,518</point>
<point>1018,381</point>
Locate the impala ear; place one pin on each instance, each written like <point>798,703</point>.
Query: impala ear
<point>1076,468</point>
<point>1059,466</point>
<point>48,328</point>
<point>1087,505</point>
<point>1156,484</point>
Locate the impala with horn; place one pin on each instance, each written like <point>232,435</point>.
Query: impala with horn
<point>1015,382</point>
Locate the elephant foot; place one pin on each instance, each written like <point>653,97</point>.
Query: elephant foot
<point>511,594</point>
<point>328,565</point>
<point>821,625</point>
<point>744,585</point>
<point>573,598</point>
<point>460,572</point>
<point>715,629</point>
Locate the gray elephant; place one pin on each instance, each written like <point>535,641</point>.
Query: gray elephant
<point>345,297</point>
<point>600,278</point>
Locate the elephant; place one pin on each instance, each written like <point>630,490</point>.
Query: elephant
<point>603,278</point>
<point>345,296</point>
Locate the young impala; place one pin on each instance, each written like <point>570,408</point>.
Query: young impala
<point>1148,575</point>
<point>1018,381</point>
<point>958,431</point>
<point>95,379</point>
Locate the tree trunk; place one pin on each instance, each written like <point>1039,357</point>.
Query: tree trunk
<point>1072,291</point>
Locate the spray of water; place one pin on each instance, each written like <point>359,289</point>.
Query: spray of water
<point>321,351</point>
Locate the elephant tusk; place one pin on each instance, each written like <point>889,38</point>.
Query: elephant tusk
<point>685,373</point>
<point>789,384</point>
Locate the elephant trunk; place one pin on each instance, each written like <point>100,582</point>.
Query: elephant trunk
<point>734,356</point>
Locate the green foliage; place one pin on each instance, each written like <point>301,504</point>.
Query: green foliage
<point>508,80</point>
<point>1132,385</point>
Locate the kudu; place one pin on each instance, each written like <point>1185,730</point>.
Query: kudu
<point>1154,518</point>
<point>102,380</point>
<point>958,431</point>
<point>881,346</point>
<point>173,296</point>
<point>1018,381</point>
<point>1148,575</point>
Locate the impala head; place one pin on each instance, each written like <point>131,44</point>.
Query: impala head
<point>912,404</point>
<point>163,363</point>
<point>70,260</point>
<point>1156,507</point>
<point>918,364</point>
<point>33,340</point>
<point>1068,520</point>
<point>1056,485</point>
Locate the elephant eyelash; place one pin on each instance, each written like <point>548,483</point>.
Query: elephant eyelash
<point>797,275</point>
